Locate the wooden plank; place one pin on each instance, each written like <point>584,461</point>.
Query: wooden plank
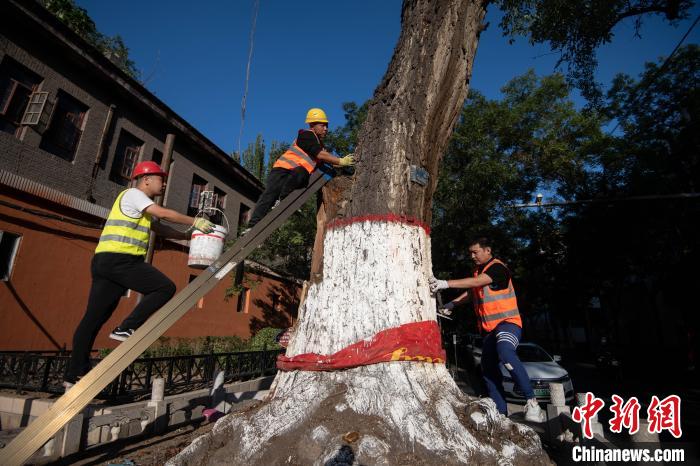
<point>45,426</point>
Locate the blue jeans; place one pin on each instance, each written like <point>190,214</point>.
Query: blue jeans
<point>499,347</point>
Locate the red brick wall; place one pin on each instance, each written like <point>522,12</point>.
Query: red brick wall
<point>45,298</point>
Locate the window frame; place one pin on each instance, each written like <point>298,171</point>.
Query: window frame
<point>131,155</point>
<point>28,113</point>
<point>55,138</point>
<point>193,201</point>
<point>11,259</point>
<point>127,153</point>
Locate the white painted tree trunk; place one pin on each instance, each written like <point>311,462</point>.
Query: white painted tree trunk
<point>404,412</point>
<point>372,277</point>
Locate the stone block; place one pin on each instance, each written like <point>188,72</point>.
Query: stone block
<point>72,435</point>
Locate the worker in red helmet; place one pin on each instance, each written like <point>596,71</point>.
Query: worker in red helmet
<point>118,264</point>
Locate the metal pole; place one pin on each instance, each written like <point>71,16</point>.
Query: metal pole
<point>165,165</point>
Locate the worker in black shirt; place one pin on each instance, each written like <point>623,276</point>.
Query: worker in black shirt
<point>496,307</point>
<point>291,171</point>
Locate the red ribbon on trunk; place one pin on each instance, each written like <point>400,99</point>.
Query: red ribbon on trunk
<point>416,341</point>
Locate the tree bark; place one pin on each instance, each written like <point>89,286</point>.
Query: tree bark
<point>372,277</point>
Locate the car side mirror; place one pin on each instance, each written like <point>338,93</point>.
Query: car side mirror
<point>557,358</point>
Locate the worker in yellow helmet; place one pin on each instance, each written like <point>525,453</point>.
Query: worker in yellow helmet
<point>291,171</point>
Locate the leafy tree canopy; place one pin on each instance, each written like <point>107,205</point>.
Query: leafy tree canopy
<point>576,28</point>
<point>78,20</point>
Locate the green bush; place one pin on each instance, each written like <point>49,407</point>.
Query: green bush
<point>264,340</point>
<point>166,346</point>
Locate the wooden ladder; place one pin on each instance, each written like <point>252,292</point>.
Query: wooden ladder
<point>65,408</point>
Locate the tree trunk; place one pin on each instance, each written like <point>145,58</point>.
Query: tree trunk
<point>373,277</point>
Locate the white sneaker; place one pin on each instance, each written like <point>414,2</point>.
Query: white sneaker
<point>121,334</point>
<point>533,412</point>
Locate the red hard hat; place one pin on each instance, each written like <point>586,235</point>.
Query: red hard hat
<point>147,168</point>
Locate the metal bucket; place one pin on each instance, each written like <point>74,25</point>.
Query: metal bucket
<point>205,248</point>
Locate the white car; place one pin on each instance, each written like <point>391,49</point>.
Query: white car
<point>542,369</point>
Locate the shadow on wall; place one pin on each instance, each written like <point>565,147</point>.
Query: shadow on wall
<point>279,309</point>
<point>31,315</point>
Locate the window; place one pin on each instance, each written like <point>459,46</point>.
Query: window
<point>244,292</point>
<point>278,303</point>
<point>17,84</point>
<point>199,184</point>
<point>37,102</point>
<point>243,215</point>
<point>125,157</point>
<point>157,156</point>
<point>66,127</point>
<point>220,203</point>
<point>9,244</point>
<point>243,301</point>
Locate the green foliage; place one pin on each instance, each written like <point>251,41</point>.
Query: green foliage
<point>290,247</point>
<point>533,139</point>
<point>576,28</point>
<point>78,20</point>
<point>253,158</point>
<point>166,346</point>
<point>264,340</point>
<point>658,154</point>
<point>500,153</point>
<point>343,139</point>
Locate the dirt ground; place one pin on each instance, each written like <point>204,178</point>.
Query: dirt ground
<point>152,451</point>
<point>155,451</point>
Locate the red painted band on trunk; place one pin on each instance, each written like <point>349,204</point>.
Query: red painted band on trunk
<point>416,341</point>
<point>391,218</point>
<point>194,235</point>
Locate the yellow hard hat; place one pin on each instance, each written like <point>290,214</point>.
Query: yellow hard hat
<point>316,115</point>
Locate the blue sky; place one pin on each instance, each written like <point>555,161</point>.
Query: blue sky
<point>193,56</point>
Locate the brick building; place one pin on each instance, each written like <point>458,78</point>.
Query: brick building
<point>72,127</point>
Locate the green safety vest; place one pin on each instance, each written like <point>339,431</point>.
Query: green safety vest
<point>123,234</point>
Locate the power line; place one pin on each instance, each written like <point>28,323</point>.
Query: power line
<point>658,72</point>
<point>651,197</point>
<point>251,42</point>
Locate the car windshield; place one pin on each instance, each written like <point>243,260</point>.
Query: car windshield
<point>532,353</point>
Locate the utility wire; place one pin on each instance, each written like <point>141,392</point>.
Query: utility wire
<point>653,197</point>
<point>251,42</point>
<point>646,85</point>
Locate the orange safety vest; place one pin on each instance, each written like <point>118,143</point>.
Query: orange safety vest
<point>493,307</point>
<point>295,157</point>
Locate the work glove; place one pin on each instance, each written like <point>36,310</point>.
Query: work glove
<point>446,309</point>
<point>347,161</point>
<point>437,285</point>
<point>203,225</point>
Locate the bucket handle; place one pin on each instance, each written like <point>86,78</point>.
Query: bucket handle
<point>228,226</point>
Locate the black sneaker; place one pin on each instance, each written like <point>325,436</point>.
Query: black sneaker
<point>121,334</point>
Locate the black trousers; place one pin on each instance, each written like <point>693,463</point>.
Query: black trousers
<point>112,275</point>
<point>280,183</point>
